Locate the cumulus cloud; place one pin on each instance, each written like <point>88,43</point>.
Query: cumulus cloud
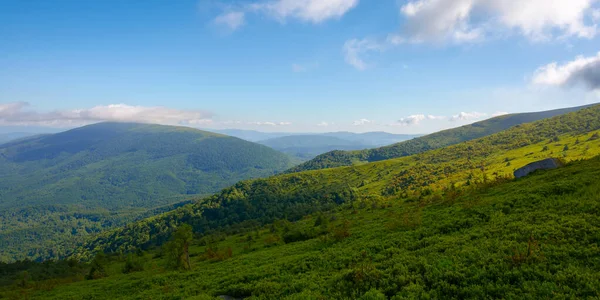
<point>362,122</point>
<point>355,50</point>
<point>583,71</point>
<point>468,20</point>
<point>465,116</point>
<point>231,20</point>
<point>411,120</point>
<point>313,11</point>
<point>323,124</point>
<point>16,113</point>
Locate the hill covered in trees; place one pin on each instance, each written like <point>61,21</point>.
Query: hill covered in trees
<point>429,142</point>
<point>531,238</point>
<point>291,196</point>
<point>61,187</point>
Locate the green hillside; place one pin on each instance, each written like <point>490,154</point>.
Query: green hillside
<point>291,196</point>
<point>61,187</point>
<point>429,142</point>
<point>532,238</point>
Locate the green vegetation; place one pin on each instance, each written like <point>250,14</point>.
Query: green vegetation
<point>532,238</point>
<point>55,190</point>
<point>429,142</point>
<point>292,196</point>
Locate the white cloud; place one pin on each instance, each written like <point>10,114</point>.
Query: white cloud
<point>362,122</point>
<point>432,117</point>
<point>581,71</point>
<point>313,11</point>
<point>416,119</point>
<point>355,49</point>
<point>596,15</point>
<point>411,120</point>
<point>499,113</point>
<point>469,20</point>
<point>323,124</point>
<point>231,20</point>
<point>16,113</point>
<point>270,123</point>
<point>465,116</point>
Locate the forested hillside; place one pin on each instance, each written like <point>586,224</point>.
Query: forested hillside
<point>59,188</point>
<point>532,238</point>
<point>429,142</point>
<point>291,196</point>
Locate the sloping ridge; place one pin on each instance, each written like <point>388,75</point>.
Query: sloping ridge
<point>292,196</point>
<point>432,141</point>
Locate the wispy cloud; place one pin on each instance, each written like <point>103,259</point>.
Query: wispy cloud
<point>312,11</point>
<point>499,113</point>
<point>17,113</point>
<point>231,20</point>
<point>583,71</point>
<point>363,122</point>
<point>323,124</point>
<point>355,51</point>
<point>270,123</point>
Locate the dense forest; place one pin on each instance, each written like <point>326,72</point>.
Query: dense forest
<point>60,188</point>
<point>532,238</point>
<point>429,142</point>
<point>291,196</point>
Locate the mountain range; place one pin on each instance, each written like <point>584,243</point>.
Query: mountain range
<point>310,145</point>
<point>61,187</point>
<point>429,142</point>
<point>292,196</point>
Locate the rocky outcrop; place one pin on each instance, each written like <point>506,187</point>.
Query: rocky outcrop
<point>546,164</point>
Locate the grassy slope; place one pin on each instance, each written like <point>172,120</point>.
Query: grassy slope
<point>292,196</point>
<point>428,142</point>
<point>532,238</point>
<point>56,188</point>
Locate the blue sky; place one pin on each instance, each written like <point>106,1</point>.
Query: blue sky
<point>304,65</point>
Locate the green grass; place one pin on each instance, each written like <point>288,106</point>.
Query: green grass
<point>532,238</point>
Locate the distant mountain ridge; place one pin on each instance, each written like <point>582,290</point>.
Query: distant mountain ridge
<point>63,186</point>
<point>429,142</point>
<point>11,136</point>
<point>309,146</point>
